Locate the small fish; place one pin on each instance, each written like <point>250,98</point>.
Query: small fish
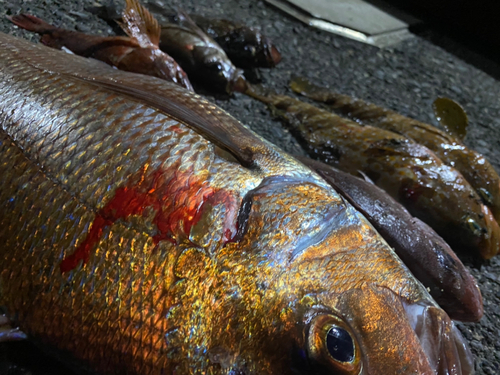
<point>423,251</point>
<point>245,46</point>
<point>473,166</point>
<point>200,56</point>
<point>127,249</point>
<point>412,174</point>
<point>138,53</point>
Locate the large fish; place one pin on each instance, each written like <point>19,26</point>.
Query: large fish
<point>145,231</point>
<point>425,253</point>
<point>138,53</point>
<point>474,167</point>
<point>412,174</point>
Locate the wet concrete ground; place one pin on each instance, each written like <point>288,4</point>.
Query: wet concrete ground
<point>406,78</point>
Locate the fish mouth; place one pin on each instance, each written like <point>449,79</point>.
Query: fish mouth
<point>441,341</point>
<point>236,82</point>
<point>490,246</point>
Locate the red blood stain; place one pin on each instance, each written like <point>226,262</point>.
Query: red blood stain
<point>179,200</point>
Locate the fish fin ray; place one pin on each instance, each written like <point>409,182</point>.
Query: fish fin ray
<point>188,23</point>
<point>451,116</point>
<point>139,24</point>
<point>31,23</point>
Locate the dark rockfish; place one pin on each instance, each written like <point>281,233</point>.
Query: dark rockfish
<point>138,53</point>
<point>424,252</point>
<point>412,174</point>
<point>473,166</point>
<point>145,231</point>
<point>245,46</point>
<point>200,56</point>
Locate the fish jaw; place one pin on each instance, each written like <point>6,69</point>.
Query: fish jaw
<point>400,337</point>
<point>441,340</point>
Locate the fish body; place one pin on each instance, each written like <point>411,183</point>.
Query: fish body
<point>412,174</point>
<point>128,249</point>
<point>199,55</point>
<point>245,46</point>
<point>474,167</point>
<point>425,253</point>
<point>136,54</point>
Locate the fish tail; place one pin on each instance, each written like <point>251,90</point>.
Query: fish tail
<point>304,87</point>
<point>259,92</point>
<point>31,23</point>
<point>139,24</point>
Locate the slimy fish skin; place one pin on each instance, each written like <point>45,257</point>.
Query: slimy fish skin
<point>412,174</point>
<point>145,231</point>
<point>449,148</point>
<point>246,46</point>
<point>138,53</point>
<point>200,56</point>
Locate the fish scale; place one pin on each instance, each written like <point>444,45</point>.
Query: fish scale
<point>126,281</point>
<point>98,147</point>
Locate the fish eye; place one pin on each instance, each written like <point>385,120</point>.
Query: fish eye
<point>331,344</point>
<point>474,227</point>
<point>340,344</point>
<point>215,67</point>
<point>486,196</point>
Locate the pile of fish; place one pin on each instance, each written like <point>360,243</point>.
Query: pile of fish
<point>128,248</point>
<point>187,43</point>
<point>437,178</point>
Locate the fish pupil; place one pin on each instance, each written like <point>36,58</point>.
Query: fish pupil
<point>340,345</point>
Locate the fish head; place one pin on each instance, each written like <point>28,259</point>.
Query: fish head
<point>218,71</point>
<point>250,45</point>
<point>371,330</point>
<point>485,230</point>
<point>335,299</point>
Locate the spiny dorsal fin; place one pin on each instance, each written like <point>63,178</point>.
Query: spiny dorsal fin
<point>188,22</point>
<point>451,116</point>
<point>139,24</point>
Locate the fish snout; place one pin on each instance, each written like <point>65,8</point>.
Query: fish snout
<point>490,244</point>
<point>444,346</point>
<point>396,337</point>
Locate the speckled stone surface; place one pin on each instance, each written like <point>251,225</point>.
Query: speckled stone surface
<point>406,78</point>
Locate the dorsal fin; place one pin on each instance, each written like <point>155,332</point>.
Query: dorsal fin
<point>139,24</point>
<point>188,23</point>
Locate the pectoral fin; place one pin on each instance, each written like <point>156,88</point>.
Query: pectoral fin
<point>451,116</point>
